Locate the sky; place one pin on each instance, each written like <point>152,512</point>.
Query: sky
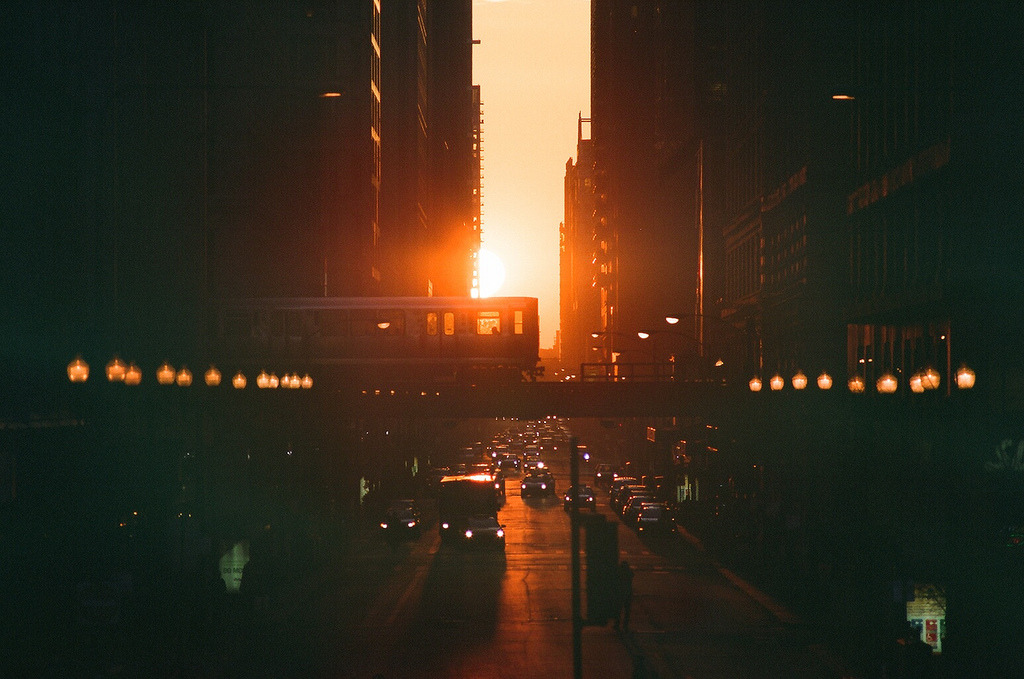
<point>533,68</point>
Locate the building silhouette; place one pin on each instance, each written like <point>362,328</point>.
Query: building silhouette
<point>861,226</point>
<point>164,155</point>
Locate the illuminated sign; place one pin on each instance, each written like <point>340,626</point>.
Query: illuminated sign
<point>927,613</point>
<point>232,563</point>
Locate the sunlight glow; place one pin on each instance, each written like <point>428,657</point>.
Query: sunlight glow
<point>492,273</point>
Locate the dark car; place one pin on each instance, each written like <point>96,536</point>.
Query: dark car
<point>402,519</point>
<point>634,505</point>
<point>508,463</point>
<point>654,518</point>
<point>618,482</point>
<point>482,531</point>
<point>604,474</point>
<point>537,484</point>
<point>585,497</point>
<point>619,499</point>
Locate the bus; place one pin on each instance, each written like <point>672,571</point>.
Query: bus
<point>463,495</point>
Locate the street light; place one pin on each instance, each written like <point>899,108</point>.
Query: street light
<point>184,377</point>
<point>165,374</point>
<point>116,370</point>
<point>78,370</point>
<point>133,375</point>
<point>886,384</point>
<point>212,376</point>
<point>964,377</point>
<point>799,380</point>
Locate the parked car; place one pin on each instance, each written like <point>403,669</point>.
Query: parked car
<point>635,503</point>
<point>654,518</point>
<point>619,500</point>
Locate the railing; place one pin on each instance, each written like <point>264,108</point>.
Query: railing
<point>629,372</point>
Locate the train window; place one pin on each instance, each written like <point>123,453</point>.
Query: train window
<point>488,323</point>
<point>364,322</point>
<point>431,322</point>
<point>294,324</point>
<point>518,324</point>
<point>331,322</point>
<point>449,323</point>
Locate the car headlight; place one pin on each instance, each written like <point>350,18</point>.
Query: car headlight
<point>383,524</point>
<point>500,533</point>
<point>411,524</point>
<point>522,486</point>
<point>469,534</point>
<point>445,525</point>
<point>543,486</point>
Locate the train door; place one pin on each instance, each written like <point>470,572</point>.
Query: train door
<point>437,334</point>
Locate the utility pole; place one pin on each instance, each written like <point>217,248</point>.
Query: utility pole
<point>574,548</point>
<point>700,246</point>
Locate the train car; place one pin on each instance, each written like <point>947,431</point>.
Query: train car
<point>383,339</point>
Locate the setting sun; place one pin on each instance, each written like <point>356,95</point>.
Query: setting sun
<point>492,273</point>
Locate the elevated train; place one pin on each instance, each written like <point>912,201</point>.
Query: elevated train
<point>382,339</point>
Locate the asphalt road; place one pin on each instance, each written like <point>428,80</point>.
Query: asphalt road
<point>420,609</point>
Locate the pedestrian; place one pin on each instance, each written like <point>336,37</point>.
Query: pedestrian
<point>625,598</point>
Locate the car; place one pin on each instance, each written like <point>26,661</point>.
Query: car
<point>508,463</point>
<point>481,531</point>
<point>402,519</point>
<point>533,465</point>
<point>537,484</point>
<point>585,497</point>
<point>653,518</point>
<point>604,474</point>
<point>621,497</point>
<point>634,505</point>
<point>618,482</point>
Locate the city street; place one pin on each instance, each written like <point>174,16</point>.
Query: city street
<point>420,609</point>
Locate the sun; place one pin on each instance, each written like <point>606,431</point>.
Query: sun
<point>492,273</point>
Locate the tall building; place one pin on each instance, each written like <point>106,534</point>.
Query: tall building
<point>581,259</point>
<point>430,182</point>
<point>293,128</point>
<point>454,116</point>
<point>406,215</point>
<point>167,154</point>
<point>645,146</point>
